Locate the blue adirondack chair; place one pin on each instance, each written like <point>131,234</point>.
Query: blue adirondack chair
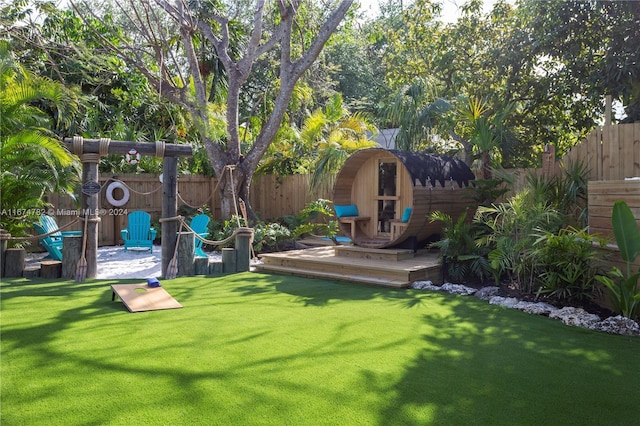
<point>53,242</point>
<point>139,232</point>
<point>199,225</point>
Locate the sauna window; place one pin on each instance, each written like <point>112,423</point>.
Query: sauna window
<point>387,173</point>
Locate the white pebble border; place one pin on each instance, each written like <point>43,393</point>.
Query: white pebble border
<point>568,315</point>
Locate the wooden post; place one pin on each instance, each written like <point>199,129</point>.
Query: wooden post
<point>14,262</point>
<point>549,161</point>
<point>243,249</point>
<point>228,260</point>
<point>185,254</point>
<point>201,266</point>
<point>71,252</point>
<point>90,210</point>
<point>4,236</point>
<point>215,268</point>
<point>608,104</point>
<point>169,209</point>
<point>50,269</point>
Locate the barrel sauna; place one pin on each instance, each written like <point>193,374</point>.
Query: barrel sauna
<point>376,187</point>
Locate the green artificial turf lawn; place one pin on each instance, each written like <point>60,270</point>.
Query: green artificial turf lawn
<point>272,350</point>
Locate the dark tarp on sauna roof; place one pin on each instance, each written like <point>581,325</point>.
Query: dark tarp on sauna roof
<point>435,168</point>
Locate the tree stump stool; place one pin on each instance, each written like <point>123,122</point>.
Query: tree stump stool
<point>51,269</point>
<point>215,268</point>
<point>31,272</point>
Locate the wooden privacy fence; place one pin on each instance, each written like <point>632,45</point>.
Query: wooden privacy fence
<point>271,196</point>
<point>609,153</point>
<point>602,196</point>
<point>274,196</point>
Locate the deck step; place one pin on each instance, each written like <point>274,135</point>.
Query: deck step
<point>342,265</point>
<point>393,255</point>
<point>322,262</point>
<point>358,279</point>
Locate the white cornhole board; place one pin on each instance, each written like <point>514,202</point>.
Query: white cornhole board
<point>141,297</point>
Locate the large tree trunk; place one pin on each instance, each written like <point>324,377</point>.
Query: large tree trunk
<point>229,189</point>
<point>234,187</point>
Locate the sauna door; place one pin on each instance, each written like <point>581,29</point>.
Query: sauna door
<point>387,196</point>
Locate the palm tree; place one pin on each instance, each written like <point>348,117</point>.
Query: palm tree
<point>32,160</point>
<point>484,133</point>
<point>334,134</point>
<point>415,110</point>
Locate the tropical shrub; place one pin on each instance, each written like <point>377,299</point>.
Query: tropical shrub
<point>34,162</point>
<point>266,237</point>
<point>462,258</point>
<point>509,236</point>
<point>567,264</point>
<point>623,288</point>
<point>573,187</point>
<point>305,223</point>
<point>566,193</point>
<point>487,191</point>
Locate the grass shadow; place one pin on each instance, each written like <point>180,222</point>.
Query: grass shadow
<point>483,364</point>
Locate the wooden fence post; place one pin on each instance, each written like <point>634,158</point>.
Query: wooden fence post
<point>4,236</point>
<point>185,254</point>
<point>90,211</point>
<point>169,209</point>
<point>14,262</point>
<point>549,161</point>
<point>228,260</point>
<point>71,252</point>
<point>243,249</point>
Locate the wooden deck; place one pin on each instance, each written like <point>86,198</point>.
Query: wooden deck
<point>382,267</point>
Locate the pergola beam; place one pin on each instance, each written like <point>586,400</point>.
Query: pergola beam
<point>92,146</point>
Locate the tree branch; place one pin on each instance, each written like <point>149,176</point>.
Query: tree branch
<point>290,71</point>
